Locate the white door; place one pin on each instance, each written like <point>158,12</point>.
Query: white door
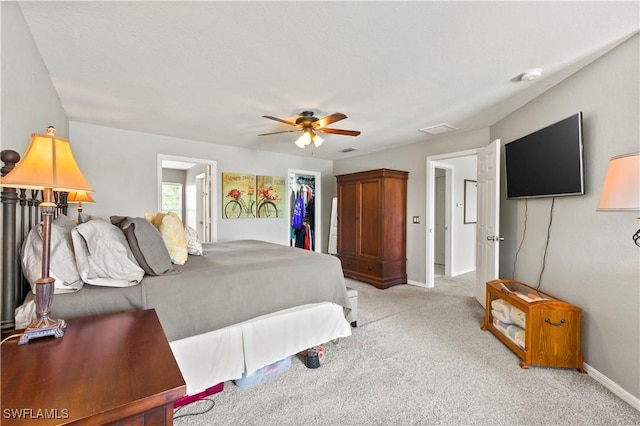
<point>333,227</point>
<point>207,202</point>
<point>488,225</point>
<point>200,203</point>
<point>440,218</point>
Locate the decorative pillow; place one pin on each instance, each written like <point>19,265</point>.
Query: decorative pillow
<point>193,245</point>
<point>84,218</point>
<point>172,231</point>
<point>103,255</point>
<point>146,244</point>
<point>62,265</point>
<point>65,222</point>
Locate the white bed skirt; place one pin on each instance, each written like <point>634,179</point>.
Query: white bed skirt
<point>225,354</point>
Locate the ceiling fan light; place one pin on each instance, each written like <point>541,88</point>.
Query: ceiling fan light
<point>304,140</point>
<point>299,142</point>
<point>317,140</point>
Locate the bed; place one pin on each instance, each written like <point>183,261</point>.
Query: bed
<point>239,306</point>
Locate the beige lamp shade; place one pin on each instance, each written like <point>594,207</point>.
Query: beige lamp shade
<point>621,189</point>
<point>48,163</point>
<point>80,197</point>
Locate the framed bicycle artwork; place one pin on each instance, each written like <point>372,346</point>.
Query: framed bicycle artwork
<point>270,196</point>
<point>250,196</point>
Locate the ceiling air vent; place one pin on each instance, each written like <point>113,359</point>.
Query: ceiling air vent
<point>350,149</point>
<point>438,129</point>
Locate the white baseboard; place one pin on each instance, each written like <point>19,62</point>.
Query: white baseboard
<point>464,271</point>
<point>612,386</point>
<point>417,283</point>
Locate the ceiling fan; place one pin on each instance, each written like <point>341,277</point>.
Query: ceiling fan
<point>310,125</point>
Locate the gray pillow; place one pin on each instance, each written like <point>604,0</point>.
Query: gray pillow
<point>146,244</point>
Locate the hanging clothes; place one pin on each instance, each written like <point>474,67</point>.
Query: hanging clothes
<point>308,238</point>
<point>303,213</point>
<point>304,236</point>
<point>298,213</point>
<point>311,212</point>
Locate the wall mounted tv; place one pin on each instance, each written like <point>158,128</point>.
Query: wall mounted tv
<point>547,162</point>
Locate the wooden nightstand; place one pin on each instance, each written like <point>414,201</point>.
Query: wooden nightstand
<point>107,369</point>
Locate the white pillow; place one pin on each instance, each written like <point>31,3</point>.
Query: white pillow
<point>65,222</point>
<point>62,264</point>
<point>103,255</point>
<point>194,247</point>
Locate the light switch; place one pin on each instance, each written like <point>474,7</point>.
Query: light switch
<point>416,219</point>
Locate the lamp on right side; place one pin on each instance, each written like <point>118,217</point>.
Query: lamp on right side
<point>79,197</point>
<point>621,189</point>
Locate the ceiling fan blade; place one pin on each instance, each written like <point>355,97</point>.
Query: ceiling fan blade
<point>338,131</point>
<point>282,131</point>
<point>280,120</point>
<point>336,116</point>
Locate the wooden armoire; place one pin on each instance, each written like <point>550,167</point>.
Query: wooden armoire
<point>372,223</point>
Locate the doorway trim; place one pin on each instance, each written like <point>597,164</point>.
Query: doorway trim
<point>433,162</point>
<point>317,204</point>
<point>448,212</point>
<point>212,187</point>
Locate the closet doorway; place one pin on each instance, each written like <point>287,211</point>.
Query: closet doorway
<point>304,189</point>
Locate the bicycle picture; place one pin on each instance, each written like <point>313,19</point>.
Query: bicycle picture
<point>266,207</point>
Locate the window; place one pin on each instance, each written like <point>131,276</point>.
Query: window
<point>172,198</point>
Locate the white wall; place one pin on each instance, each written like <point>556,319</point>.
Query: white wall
<point>592,261</point>
<point>121,166</point>
<point>412,158</point>
<point>29,102</point>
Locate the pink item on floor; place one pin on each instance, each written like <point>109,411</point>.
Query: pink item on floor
<point>188,399</point>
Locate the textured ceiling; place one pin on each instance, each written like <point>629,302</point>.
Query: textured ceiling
<point>208,71</point>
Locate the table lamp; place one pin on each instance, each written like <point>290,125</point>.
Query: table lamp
<point>48,165</point>
<point>621,189</point>
<point>79,197</point>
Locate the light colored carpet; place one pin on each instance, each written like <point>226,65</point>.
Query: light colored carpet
<point>418,357</point>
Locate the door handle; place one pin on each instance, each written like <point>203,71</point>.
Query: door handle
<point>495,238</point>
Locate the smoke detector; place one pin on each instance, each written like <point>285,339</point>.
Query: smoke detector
<point>531,74</point>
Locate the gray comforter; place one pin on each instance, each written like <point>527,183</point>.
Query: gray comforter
<point>233,282</point>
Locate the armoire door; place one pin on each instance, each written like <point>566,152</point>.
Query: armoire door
<point>348,218</point>
<point>370,218</point>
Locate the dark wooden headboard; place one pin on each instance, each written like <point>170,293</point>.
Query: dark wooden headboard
<point>20,213</point>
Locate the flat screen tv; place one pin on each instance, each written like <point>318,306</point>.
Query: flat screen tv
<point>547,162</point>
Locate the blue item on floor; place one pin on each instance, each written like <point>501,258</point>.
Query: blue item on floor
<point>263,374</point>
